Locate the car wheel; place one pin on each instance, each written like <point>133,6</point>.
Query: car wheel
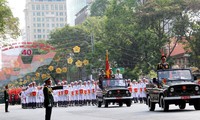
<point>120,104</point>
<point>99,104</point>
<point>150,104</point>
<point>182,105</point>
<point>197,105</point>
<point>106,104</point>
<point>164,105</point>
<point>128,104</point>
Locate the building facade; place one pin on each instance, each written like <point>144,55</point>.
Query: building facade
<point>43,16</point>
<point>73,7</point>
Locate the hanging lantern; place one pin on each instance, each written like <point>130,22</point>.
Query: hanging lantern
<point>58,70</point>
<point>70,60</point>
<point>85,62</point>
<point>64,69</point>
<point>76,49</point>
<point>50,68</point>
<point>79,63</point>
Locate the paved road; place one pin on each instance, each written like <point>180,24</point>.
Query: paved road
<point>135,112</point>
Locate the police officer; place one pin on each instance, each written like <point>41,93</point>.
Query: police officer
<point>163,65</point>
<point>6,98</point>
<point>48,97</point>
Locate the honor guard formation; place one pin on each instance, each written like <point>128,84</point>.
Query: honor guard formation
<point>77,93</point>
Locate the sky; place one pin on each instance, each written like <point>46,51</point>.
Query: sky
<point>17,7</point>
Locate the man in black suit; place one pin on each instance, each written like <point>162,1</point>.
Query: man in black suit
<point>48,97</point>
<point>6,98</point>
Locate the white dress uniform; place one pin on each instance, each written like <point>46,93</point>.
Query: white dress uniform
<point>135,92</point>
<point>66,95</point>
<point>118,76</point>
<point>23,98</point>
<point>33,96</point>
<point>94,88</point>
<point>55,97</point>
<point>40,98</point>
<point>76,94</point>
<point>88,87</point>
<point>81,95</point>
<point>72,95</point>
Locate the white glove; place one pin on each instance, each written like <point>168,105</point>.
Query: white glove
<point>6,100</point>
<point>49,105</point>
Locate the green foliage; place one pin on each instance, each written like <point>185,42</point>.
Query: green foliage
<point>99,7</point>
<point>8,23</point>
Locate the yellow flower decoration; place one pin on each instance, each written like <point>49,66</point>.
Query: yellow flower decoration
<point>85,62</point>
<point>79,63</point>
<point>70,60</point>
<point>50,68</point>
<point>44,76</point>
<point>37,74</point>
<point>76,49</point>
<point>58,70</point>
<point>64,69</point>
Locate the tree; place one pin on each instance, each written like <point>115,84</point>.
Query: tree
<point>99,7</point>
<point>8,23</point>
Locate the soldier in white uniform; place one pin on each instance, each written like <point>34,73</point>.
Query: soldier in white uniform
<point>88,88</point>
<point>40,97</point>
<point>135,91</point>
<point>76,96</point>
<point>140,87</point>
<point>34,92</point>
<point>93,90</point>
<point>81,93</point>
<point>66,93</point>
<point>144,82</point>
<point>29,94</point>
<point>23,98</point>
<point>72,94</point>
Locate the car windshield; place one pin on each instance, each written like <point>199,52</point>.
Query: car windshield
<point>175,75</point>
<point>114,83</point>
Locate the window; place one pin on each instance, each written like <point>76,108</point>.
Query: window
<point>61,13</point>
<point>38,13</point>
<point>34,19</point>
<point>52,7</point>
<point>61,19</point>
<point>43,25</point>
<point>47,7</point>
<point>39,30</point>
<point>39,36</point>
<point>56,7</point>
<point>53,25</point>
<point>60,7</point>
<point>47,24</point>
<point>37,7</point>
<point>38,19</point>
<point>33,13</point>
<point>43,7</point>
<point>38,25</point>
<point>33,7</point>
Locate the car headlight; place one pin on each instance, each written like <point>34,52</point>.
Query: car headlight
<point>127,92</point>
<point>171,89</point>
<point>197,88</point>
<point>109,92</point>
